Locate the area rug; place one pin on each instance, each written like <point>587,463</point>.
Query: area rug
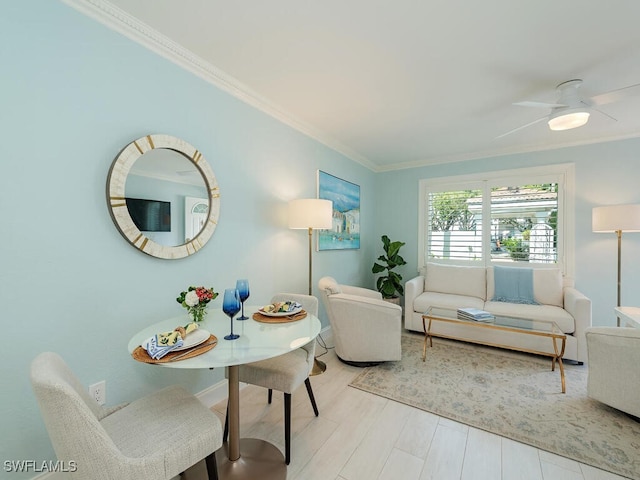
<point>510,394</point>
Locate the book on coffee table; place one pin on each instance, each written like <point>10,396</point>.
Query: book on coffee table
<point>475,314</point>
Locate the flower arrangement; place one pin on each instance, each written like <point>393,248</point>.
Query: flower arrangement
<point>195,300</point>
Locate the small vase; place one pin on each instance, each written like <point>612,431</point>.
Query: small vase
<point>197,314</point>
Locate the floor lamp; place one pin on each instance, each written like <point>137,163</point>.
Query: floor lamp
<point>617,219</point>
<point>311,214</point>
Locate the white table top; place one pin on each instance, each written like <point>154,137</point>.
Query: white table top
<point>630,314</point>
<point>258,341</point>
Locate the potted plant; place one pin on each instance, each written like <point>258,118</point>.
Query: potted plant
<point>389,285</point>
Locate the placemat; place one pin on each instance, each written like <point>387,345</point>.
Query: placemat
<point>258,317</point>
<point>141,355</point>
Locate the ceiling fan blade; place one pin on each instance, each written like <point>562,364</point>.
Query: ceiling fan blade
<point>616,95</point>
<point>605,114</point>
<point>522,127</point>
<point>528,103</point>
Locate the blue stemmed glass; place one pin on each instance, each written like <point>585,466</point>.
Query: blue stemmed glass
<point>243,290</point>
<point>231,306</point>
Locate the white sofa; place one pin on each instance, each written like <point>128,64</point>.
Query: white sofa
<point>452,286</point>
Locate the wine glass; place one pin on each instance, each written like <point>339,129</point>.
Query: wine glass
<point>231,306</point>
<point>243,290</point>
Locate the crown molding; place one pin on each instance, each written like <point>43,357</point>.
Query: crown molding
<point>132,28</point>
<point>517,150</point>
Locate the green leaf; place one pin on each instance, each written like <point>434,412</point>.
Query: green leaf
<point>394,248</point>
<point>395,277</point>
<point>377,268</point>
<point>389,284</point>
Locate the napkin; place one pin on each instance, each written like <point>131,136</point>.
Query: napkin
<point>162,343</point>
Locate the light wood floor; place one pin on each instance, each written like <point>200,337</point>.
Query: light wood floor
<point>360,436</point>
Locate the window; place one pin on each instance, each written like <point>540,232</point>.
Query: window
<point>523,216</point>
<point>455,229</point>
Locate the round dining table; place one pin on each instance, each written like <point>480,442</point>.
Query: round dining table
<point>246,458</point>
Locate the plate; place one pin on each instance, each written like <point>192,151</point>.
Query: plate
<point>293,311</point>
<point>194,338</point>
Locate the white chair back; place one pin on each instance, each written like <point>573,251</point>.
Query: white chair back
<point>71,416</point>
<point>310,304</point>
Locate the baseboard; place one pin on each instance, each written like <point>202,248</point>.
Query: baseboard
<point>214,394</point>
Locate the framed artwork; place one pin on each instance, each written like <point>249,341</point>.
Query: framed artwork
<point>345,232</point>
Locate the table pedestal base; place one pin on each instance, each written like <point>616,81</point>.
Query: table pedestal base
<point>258,459</point>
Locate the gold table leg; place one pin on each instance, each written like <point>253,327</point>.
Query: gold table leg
<point>427,338</point>
<point>558,358</point>
<point>424,348</point>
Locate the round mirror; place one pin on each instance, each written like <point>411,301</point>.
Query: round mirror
<point>163,196</point>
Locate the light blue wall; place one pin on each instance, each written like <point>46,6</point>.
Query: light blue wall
<point>605,174</point>
<point>73,94</point>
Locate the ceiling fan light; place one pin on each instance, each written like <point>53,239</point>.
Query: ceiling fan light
<point>566,120</point>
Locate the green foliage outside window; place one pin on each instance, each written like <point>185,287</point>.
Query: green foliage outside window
<point>518,249</point>
<point>451,208</point>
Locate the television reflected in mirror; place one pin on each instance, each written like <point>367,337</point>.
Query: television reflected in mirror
<point>150,215</point>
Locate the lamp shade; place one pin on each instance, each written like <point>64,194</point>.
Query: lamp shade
<point>616,217</point>
<point>312,213</point>
<point>566,119</point>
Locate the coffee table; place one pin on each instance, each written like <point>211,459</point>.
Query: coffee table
<point>518,326</point>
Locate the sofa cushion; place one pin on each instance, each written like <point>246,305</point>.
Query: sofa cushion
<point>445,300</point>
<point>563,319</point>
<point>456,280</point>
<point>547,286</point>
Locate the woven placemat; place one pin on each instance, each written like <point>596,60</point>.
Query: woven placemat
<point>258,317</point>
<point>141,355</point>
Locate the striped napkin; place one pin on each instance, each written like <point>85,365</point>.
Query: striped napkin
<point>162,343</point>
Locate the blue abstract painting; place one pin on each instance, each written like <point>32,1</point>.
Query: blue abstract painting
<point>345,232</point>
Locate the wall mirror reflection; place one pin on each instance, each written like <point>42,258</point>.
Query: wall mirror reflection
<point>163,196</point>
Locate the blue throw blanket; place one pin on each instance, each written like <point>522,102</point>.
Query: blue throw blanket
<point>513,285</point>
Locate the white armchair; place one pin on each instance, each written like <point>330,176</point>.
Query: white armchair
<point>366,329</point>
<point>614,376</point>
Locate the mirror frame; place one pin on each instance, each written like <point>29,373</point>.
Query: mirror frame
<point>117,179</point>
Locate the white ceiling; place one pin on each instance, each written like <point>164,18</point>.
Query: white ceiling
<point>402,83</point>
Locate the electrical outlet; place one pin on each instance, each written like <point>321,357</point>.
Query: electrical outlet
<point>98,391</point>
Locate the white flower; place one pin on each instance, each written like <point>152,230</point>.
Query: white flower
<point>191,298</point>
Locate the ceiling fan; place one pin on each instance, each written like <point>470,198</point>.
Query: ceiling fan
<point>571,110</point>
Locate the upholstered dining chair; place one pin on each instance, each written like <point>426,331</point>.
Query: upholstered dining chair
<point>284,373</point>
<point>366,329</point>
<point>155,437</point>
